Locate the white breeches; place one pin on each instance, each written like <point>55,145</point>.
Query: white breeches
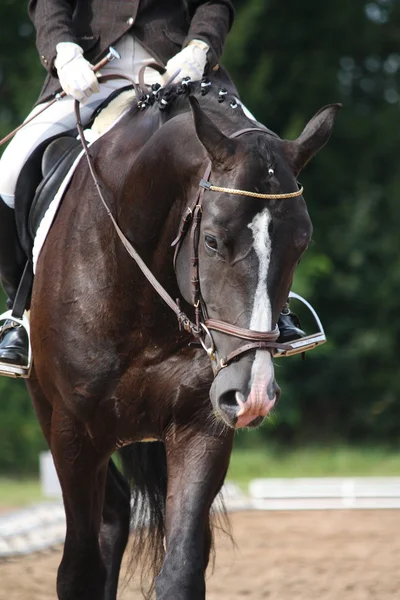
<point>60,117</point>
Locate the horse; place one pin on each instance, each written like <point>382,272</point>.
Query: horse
<point>112,369</point>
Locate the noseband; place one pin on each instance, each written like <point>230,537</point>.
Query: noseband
<point>201,329</point>
<point>257,340</point>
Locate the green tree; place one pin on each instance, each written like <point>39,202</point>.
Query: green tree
<point>21,73</point>
<point>21,76</point>
<point>288,61</point>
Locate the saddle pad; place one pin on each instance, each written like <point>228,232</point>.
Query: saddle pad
<point>117,104</point>
<point>50,213</point>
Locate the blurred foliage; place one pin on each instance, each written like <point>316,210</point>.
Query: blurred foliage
<point>289,59</point>
<point>310,461</point>
<point>21,438</point>
<point>21,74</point>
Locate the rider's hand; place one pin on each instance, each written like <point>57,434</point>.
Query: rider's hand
<point>75,73</point>
<point>191,61</point>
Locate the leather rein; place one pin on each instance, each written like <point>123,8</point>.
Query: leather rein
<point>202,327</point>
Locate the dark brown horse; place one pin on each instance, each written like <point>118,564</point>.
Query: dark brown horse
<point>113,370</point>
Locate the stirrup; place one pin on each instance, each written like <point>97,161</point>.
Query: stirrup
<point>16,370</point>
<point>309,342</point>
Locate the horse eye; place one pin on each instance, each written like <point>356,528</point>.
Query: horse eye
<point>211,242</point>
<point>271,172</point>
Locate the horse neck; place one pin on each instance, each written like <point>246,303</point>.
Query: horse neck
<point>154,196</point>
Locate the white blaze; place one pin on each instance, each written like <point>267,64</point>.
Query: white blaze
<point>261,318</point>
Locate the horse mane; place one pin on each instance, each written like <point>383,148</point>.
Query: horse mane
<point>215,100</point>
<point>222,107</point>
<point>177,94</point>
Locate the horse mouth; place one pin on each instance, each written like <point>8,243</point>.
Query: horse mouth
<point>256,422</point>
<point>233,421</point>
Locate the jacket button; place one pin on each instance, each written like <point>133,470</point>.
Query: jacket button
<point>130,21</point>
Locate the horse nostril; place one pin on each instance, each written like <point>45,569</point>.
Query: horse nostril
<point>230,402</point>
<point>273,390</point>
<point>240,399</point>
<point>229,399</point>
<point>277,394</point>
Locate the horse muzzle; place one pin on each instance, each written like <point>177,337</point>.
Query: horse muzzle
<point>239,399</point>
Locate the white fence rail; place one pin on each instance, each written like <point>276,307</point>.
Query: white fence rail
<point>325,493</point>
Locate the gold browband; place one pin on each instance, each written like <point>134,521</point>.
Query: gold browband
<point>214,188</point>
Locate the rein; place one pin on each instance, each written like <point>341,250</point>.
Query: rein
<point>257,340</point>
<point>183,320</point>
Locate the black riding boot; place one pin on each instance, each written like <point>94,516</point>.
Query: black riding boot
<point>14,343</point>
<point>289,326</point>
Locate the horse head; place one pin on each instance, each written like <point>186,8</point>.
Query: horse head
<point>248,247</point>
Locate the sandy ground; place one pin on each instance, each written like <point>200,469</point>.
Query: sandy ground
<point>320,555</point>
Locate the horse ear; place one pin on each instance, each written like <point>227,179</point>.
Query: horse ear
<point>314,136</point>
<point>219,147</point>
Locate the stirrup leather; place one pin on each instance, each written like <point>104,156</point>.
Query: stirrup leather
<point>16,370</point>
<point>309,342</point>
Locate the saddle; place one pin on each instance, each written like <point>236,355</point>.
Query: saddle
<point>39,180</point>
<point>48,165</point>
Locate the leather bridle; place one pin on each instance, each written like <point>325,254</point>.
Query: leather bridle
<point>202,327</point>
<point>257,340</point>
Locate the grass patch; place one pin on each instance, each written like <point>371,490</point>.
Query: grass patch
<point>16,493</point>
<point>312,462</point>
<point>263,461</point>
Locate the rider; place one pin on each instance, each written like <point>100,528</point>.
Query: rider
<point>187,36</point>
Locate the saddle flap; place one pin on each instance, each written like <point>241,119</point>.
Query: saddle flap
<point>27,184</point>
<point>55,153</point>
<point>56,162</point>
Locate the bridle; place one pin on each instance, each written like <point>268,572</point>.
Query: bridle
<point>257,340</point>
<point>202,327</point>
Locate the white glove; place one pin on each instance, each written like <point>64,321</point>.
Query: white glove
<point>75,73</point>
<point>191,61</point>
